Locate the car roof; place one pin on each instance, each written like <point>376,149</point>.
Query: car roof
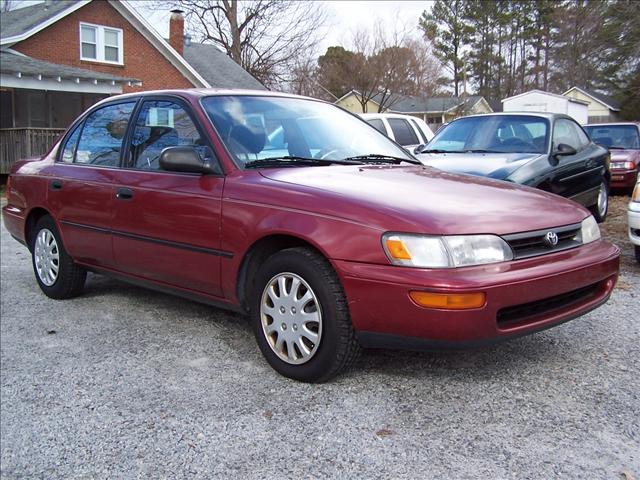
<point>612,124</point>
<point>386,115</point>
<point>207,92</point>
<point>547,115</point>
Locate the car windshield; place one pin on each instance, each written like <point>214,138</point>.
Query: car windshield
<point>615,136</point>
<point>499,133</point>
<point>264,130</point>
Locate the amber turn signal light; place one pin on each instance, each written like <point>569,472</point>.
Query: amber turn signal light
<point>397,249</point>
<point>448,301</point>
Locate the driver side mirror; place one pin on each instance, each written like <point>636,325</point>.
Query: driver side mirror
<point>564,150</point>
<point>419,148</point>
<point>187,159</point>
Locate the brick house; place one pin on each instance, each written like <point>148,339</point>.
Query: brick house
<point>58,58</point>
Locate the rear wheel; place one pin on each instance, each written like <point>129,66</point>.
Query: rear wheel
<point>601,207</point>
<point>57,275</point>
<point>300,317</point>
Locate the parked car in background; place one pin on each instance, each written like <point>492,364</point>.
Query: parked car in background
<point>328,246</point>
<point>406,130</point>
<point>623,140</point>
<point>543,150</point>
<point>633,215</point>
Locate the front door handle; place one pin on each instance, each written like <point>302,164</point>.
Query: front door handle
<point>56,184</point>
<point>124,194</point>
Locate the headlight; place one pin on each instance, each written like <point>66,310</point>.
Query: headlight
<point>589,230</point>
<point>424,251</point>
<point>635,197</point>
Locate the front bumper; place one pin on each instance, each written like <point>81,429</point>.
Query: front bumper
<point>623,178</point>
<point>522,297</point>
<point>633,217</point>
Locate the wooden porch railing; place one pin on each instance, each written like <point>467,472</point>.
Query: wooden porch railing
<point>19,143</point>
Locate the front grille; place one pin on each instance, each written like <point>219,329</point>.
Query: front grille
<point>532,244</point>
<point>511,315</point>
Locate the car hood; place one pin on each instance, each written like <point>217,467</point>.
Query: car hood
<point>421,199</point>
<point>492,165</point>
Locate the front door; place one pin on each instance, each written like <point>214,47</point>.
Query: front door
<point>577,176</point>
<point>166,225</point>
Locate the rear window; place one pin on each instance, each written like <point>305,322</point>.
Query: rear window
<point>403,132</point>
<point>420,132</point>
<point>377,124</point>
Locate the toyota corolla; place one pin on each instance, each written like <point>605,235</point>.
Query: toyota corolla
<point>333,239</point>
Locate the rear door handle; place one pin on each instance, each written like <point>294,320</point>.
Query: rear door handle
<point>56,184</point>
<point>124,194</point>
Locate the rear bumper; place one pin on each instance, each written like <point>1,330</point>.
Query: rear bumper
<point>623,178</point>
<point>522,297</point>
<point>14,219</point>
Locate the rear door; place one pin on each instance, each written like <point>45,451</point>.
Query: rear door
<point>166,225</point>
<point>80,193</point>
<point>576,176</point>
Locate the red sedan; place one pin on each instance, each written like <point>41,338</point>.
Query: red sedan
<point>623,141</point>
<point>328,234</point>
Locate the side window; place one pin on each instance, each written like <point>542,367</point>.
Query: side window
<point>583,138</point>
<point>70,146</point>
<point>568,132</point>
<point>403,132</point>
<point>162,124</point>
<point>423,138</point>
<point>102,135</point>
<point>377,124</point>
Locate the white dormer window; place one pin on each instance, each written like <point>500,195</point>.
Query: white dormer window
<point>101,44</point>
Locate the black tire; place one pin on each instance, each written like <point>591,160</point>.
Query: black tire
<point>637,249</point>
<point>600,214</point>
<point>70,277</point>
<point>338,347</point>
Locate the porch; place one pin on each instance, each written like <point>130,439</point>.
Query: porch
<point>39,100</point>
<point>18,143</point>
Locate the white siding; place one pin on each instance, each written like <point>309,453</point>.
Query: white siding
<point>543,102</point>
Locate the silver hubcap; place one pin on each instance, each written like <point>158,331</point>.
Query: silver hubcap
<point>603,199</point>
<point>291,318</point>
<point>47,257</point>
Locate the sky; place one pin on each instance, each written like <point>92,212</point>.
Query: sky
<point>344,17</point>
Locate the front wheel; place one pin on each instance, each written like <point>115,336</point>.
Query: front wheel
<point>57,275</point>
<point>637,248</point>
<point>601,207</point>
<point>300,317</point>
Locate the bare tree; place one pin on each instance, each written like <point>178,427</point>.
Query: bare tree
<point>389,66</point>
<point>268,38</point>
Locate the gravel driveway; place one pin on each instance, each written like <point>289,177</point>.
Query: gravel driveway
<point>127,383</point>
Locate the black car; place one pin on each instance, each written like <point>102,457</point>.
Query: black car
<point>544,150</point>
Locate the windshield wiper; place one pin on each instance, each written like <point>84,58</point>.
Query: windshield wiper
<point>439,150</point>
<point>480,150</point>
<point>378,158</point>
<point>613,147</point>
<point>295,161</point>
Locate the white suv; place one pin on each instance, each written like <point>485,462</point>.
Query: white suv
<point>633,215</point>
<point>406,130</point>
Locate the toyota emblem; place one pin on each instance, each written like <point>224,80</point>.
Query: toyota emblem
<point>551,239</point>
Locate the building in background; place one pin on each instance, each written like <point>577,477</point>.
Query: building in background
<point>602,108</point>
<point>59,58</point>
<point>540,101</point>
